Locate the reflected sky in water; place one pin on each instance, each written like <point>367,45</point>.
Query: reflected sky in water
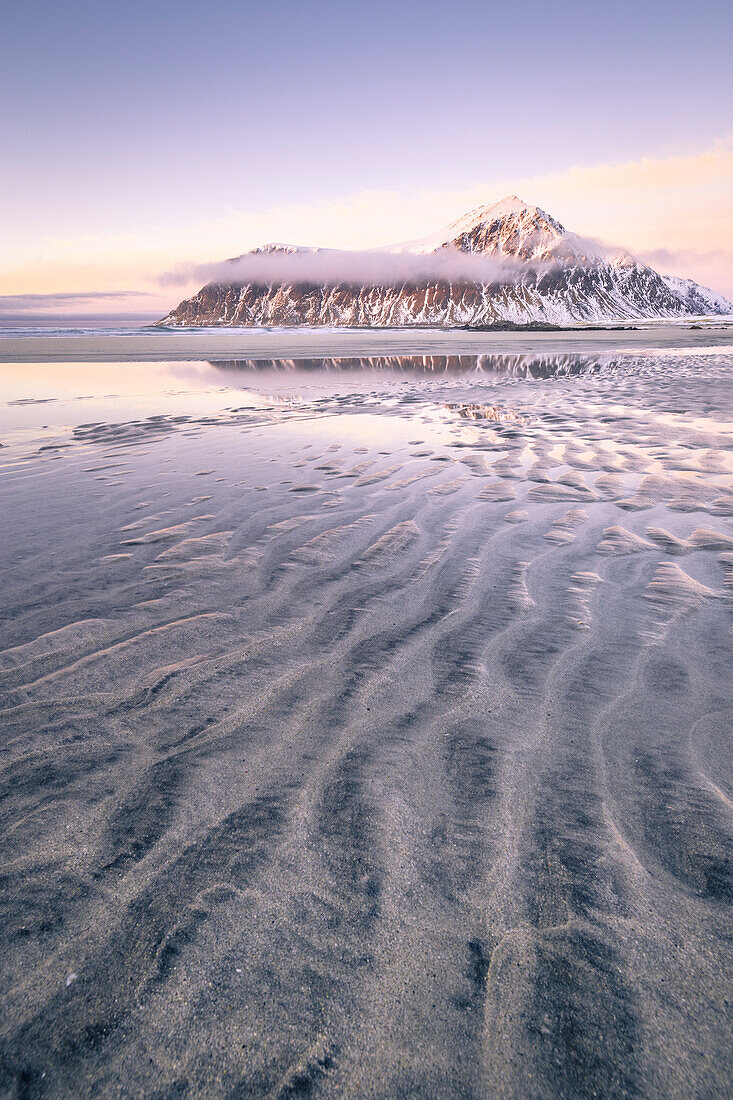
<point>662,387</point>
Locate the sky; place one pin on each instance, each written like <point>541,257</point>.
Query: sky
<point>144,136</point>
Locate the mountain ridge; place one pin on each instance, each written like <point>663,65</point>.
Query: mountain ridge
<point>543,273</point>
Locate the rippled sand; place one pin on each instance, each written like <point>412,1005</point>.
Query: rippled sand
<point>369,733</point>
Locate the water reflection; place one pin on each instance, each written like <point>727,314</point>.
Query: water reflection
<point>548,365</point>
<point>483,411</point>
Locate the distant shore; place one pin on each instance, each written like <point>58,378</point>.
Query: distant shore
<point>232,343</point>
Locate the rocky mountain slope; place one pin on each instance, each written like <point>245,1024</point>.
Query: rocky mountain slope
<point>698,299</point>
<point>541,273</point>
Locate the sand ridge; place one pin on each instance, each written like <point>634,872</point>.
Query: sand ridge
<point>355,747</point>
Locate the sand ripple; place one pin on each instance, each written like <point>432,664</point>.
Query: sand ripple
<point>403,769</point>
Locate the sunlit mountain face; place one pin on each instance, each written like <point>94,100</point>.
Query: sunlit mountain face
<point>505,263</point>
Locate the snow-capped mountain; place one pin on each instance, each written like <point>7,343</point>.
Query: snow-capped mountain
<point>541,273</point>
<point>698,299</point>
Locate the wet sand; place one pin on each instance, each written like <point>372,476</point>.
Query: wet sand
<point>369,734</point>
<point>231,343</point>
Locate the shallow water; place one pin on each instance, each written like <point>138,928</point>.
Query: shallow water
<point>367,726</point>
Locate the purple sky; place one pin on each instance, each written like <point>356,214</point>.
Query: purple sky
<point>145,134</point>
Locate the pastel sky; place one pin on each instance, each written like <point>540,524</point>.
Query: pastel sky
<point>144,135</point>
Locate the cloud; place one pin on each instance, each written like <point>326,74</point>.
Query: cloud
<point>645,203</point>
<point>675,212</point>
<point>710,267</point>
<point>667,256</point>
<point>18,303</point>
<point>678,207</point>
<point>352,267</point>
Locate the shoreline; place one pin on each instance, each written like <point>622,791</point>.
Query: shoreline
<point>306,343</point>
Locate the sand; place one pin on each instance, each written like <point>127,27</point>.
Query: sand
<point>370,735</point>
<point>227,343</point>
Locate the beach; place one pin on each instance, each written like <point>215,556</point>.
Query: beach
<point>160,344</point>
<point>366,704</point>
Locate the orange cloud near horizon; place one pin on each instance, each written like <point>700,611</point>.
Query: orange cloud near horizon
<point>676,212</point>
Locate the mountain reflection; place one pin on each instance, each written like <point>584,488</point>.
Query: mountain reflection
<point>548,365</point>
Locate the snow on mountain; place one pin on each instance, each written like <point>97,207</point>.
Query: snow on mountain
<point>542,273</point>
<point>509,228</point>
<point>699,299</point>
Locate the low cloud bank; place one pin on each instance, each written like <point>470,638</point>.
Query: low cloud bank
<point>369,268</point>
<point>667,256</point>
<point>19,303</point>
<point>708,267</point>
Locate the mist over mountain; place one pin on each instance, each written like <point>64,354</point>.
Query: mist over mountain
<point>506,262</point>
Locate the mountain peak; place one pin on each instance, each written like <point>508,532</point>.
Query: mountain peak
<point>511,204</point>
<point>508,227</point>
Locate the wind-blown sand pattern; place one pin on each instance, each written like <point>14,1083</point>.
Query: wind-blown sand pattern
<point>356,746</point>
